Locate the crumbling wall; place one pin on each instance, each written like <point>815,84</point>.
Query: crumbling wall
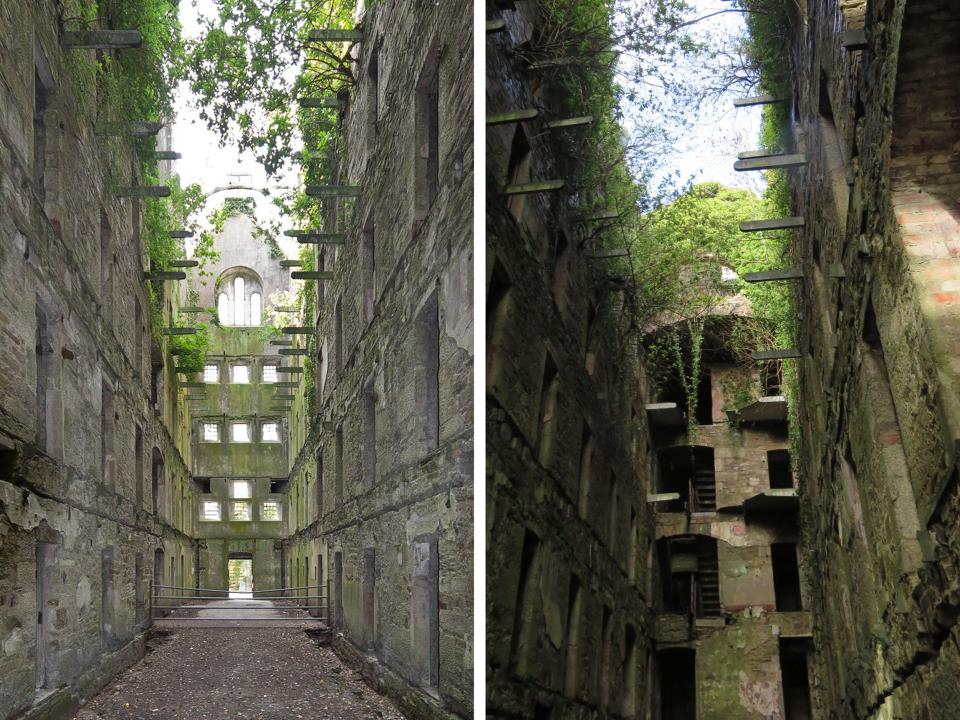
<point>569,531</point>
<point>78,521</point>
<point>877,405</point>
<point>384,478</point>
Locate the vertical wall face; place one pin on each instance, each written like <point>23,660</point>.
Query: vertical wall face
<point>386,463</point>
<point>568,623</point>
<point>878,404</point>
<point>76,421</point>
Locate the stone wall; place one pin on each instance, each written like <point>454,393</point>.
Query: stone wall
<point>569,624</point>
<point>878,408</point>
<point>88,520</point>
<point>384,478</point>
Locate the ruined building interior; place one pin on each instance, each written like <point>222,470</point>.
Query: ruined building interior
<point>778,558</point>
<point>324,448</point>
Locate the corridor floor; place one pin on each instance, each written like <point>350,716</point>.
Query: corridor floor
<point>237,674</point>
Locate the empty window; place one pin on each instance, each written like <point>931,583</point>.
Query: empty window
<point>270,511</point>
<point>224,310</point>
<point>240,511</point>
<point>549,400</point>
<point>256,309</point>
<point>241,489</point>
<point>786,577</point>
<point>373,92</point>
<point>428,134</point>
<point>240,374</point>
<point>240,432</point>
<point>211,373</point>
<point>778,465</point>
<point>338,336</point>
<point>795,678</point>
<point>269,432</point>
<point>269,373</point>
<point>369,455</point>
<point>106,268</point>
<point>677,670</point>
<point>239,302</point>
<point>40,105</point>
<point>518,171</point>
<point>210,511</point>
<point>108,424</point>
<point>368,262</point>
<point>211,432</point>
<point>427,373</point>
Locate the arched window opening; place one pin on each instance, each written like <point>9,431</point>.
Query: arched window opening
<point>239,302</point>
<point>224,310</point>
<point>255,309</point>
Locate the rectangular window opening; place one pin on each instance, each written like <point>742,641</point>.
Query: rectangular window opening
<point>786,577</point>
<point>270,432</point>
<point>270,511</point>
<point>427,373</point>
<point>210,511</point>
<point>522,637</point>
<point>428,134</point>
<point>369,458</point>
<point>211,373</point>
<point>795,679</point>
<point>676,669</point>
<point>240,489</point>
<point>269,374</point>
<point>211,432</point>
<point>240,374</point>
<point>240,511</point>
<point>549,402</point>
<point>240,432</point>
<point>778,466</point>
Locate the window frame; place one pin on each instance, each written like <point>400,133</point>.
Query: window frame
<point>233,490</point>
<point>233,434</point>
<point>276,426</point>
<point>235,505</point>
<point>204,504</point>
<point>234,367</point>
<point>216,370</point>
<point>274,503</point>
<point>203,431</point>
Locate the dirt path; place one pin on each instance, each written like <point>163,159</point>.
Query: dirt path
<point>233,674</point>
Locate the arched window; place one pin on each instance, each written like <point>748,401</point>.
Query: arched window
<point>240,298</point>
<point>255,308</point>
<point>239,302</point>
<point>224,309</point>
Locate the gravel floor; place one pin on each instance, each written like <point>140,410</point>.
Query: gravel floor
<point>248,674</point>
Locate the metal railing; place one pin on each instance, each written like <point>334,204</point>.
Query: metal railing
<point>311,607</point>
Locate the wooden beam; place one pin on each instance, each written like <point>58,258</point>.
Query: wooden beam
<point>786,354</point>
<point>335,35</point>
<point>771,275</point>
<point>137,128</point>
<point>748,154</point>
<point>167,155</point>
<point>187,309</point>
<point>855,39</point>
<point>322,239</point>
<point>312,275</point>
<point>513,117</point>
<point>286,309</point>
<point>144,191</point>
<point>775,224</point>
<point>298,330</point>
<point>293,351</point>
<point>771,162</point>
<point>164,275</point>
<point>554,62</point>
<point>280,408</point>
<point>105,39</point>
<point>284,397</point>
<point>180,331</point>
<point>292,370</point>
<point>280,343</point>
<point>333,191</point>
<point>286,384</point>
<point>333,102</point>
<point>291,263</point>
<point>184,263</point>
<point>193,385</point>
<point>496,26</point>
<point>534,187</point>
<point>620,252</point>
<point>605,215</point>
<point>201,398</point>
<point>179,234</point>
<point>758,100</point>
<point>570,122</point>
<point>662,497</point>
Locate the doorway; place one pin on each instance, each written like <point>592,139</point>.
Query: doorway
<point>240,571</point>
